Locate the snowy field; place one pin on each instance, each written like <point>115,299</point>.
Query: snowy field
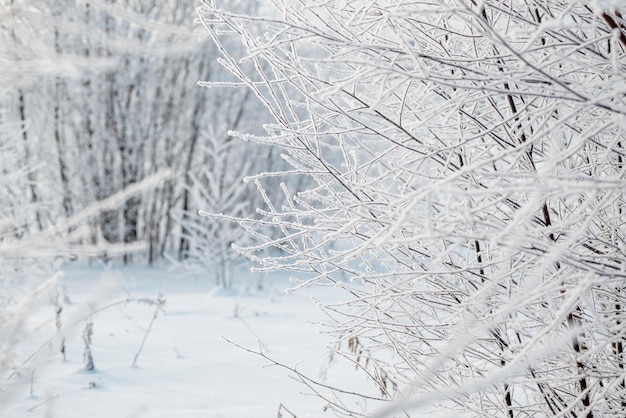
<point>186,368</point>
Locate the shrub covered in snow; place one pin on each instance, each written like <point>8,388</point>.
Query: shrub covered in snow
<point>468,159</point>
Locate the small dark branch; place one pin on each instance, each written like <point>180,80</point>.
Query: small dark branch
<point>159,303</point>
<point>614,25</point>
<point>282,408</point>
<point>573,322</point>
<point>58,309</point>
<point>508,399</point>
<point>312,384</point>
<point>87,355</point>
<point>618,351</point>
<point>553,408</point>
<point>479,258</point>
<point>548,222</point>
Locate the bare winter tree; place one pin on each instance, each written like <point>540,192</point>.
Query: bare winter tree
<point>469,167</point>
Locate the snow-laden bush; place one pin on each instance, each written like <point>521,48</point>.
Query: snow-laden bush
<point>469,167</point>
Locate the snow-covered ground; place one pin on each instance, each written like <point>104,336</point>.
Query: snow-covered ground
<point>186,368</point>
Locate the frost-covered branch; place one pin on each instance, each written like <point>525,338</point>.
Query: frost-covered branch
<point>468,160</point>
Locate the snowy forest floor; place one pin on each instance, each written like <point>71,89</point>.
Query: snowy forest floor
<point>186,368</point>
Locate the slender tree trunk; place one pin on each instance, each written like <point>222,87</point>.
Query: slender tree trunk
<point>63,168</point>
<point>32,181</point>
<point>199,109</point>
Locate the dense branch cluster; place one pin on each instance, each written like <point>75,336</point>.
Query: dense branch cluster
<point>469,168</point>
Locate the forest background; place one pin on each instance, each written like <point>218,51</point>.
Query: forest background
<point>100,96</point>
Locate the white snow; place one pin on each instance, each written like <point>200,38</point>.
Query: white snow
<point>608,5</point>
<point>186,368</point>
